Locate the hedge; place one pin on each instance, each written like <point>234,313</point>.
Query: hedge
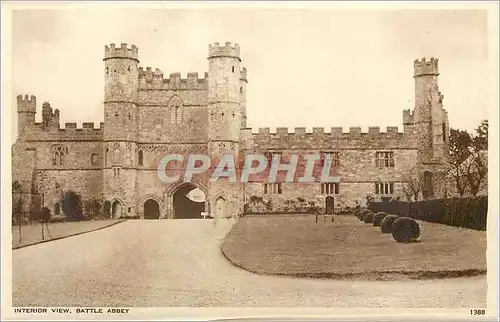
<point>458,212</point>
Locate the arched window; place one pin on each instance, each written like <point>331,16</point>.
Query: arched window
<point>141,158</point>
<point>58,153</point>
<point>176,111</point>
<point>106,156</point>
<point>241,90</point>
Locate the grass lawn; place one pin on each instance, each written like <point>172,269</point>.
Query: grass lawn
<point>33,234</point>
<point>349,248</point>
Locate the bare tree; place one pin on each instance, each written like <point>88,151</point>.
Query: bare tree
<point>477,169</point>
<point>460,151</point>
<point>17,206</point>
<point>412,186</point>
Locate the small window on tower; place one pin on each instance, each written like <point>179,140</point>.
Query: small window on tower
<point>107,70</point>
<point>241,90</point>
<point>128,68</point>
<point>233,69</point>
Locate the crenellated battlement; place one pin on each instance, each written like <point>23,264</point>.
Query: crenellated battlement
<point>300,138</point>
<point>426,67</point>
<point>154,80</point>
<point>334,131</point>
<point>70,132</point>
<point>408,117</point>
<point>228,50</point>
<point>123,52</point>
<point>86,126</point>
<point>26,103</point>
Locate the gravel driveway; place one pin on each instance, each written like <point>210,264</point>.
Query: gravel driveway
<point>164,263</point>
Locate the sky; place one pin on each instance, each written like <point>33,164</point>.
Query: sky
<point>321,68</point>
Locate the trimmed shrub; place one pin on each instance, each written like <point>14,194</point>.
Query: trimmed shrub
<point>377,219</point>
<point>362,214</point>
<point>405,230</point>
<point>386,223</point>
<point>368,218</point>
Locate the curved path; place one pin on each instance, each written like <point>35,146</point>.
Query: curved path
<point>178,263</point>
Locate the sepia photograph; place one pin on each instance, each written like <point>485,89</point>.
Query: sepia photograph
<point>249,157</point>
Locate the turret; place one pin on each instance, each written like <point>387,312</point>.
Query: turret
<point>224,116</point>
<point>425,73</point>
<point>49,117</point>
<point>122,76</point>
<point>26,110</point>
<point>224,91</point>
<point>120,131</point>
<point>430,118</point>
<point>120,93</point>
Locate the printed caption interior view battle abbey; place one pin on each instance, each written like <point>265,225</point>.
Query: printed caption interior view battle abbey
<point>147,115</point>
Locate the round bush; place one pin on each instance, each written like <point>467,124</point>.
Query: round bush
<point>405,230</point>
<point>377,219</point>
<point>368,218</point>
<point>362,213</point>
<point>386,223</point>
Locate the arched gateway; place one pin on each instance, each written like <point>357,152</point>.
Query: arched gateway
<point>185,204</point>
<point>116,209</point>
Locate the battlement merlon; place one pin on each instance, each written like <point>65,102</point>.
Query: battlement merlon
<point>26,104</point>
<point>243,74</point>
<point>228,50</point>
<point>123,52</point>
<point>426,67</point>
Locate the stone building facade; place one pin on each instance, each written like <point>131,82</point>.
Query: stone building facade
<point>147,115</point>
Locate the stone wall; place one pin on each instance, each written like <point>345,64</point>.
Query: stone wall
<point>51,185</point>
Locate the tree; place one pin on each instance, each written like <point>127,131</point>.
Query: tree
<point>480,141</point>
<point>107,209</point>
<point>460,150</point>
<point>44,216</point>
<point>93,207</point>
<point>412,186</point>
<point>17,202</point>
<point>72,205</point>
<point>468,159</point>
<point>477,169</point>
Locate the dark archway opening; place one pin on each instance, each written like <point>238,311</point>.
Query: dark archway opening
<point>329,205</point>
<point>151,209</point>
<point>188,202</point>
<point>428,189</point>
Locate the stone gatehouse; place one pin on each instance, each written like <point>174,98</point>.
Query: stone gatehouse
<point>147,114</point>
